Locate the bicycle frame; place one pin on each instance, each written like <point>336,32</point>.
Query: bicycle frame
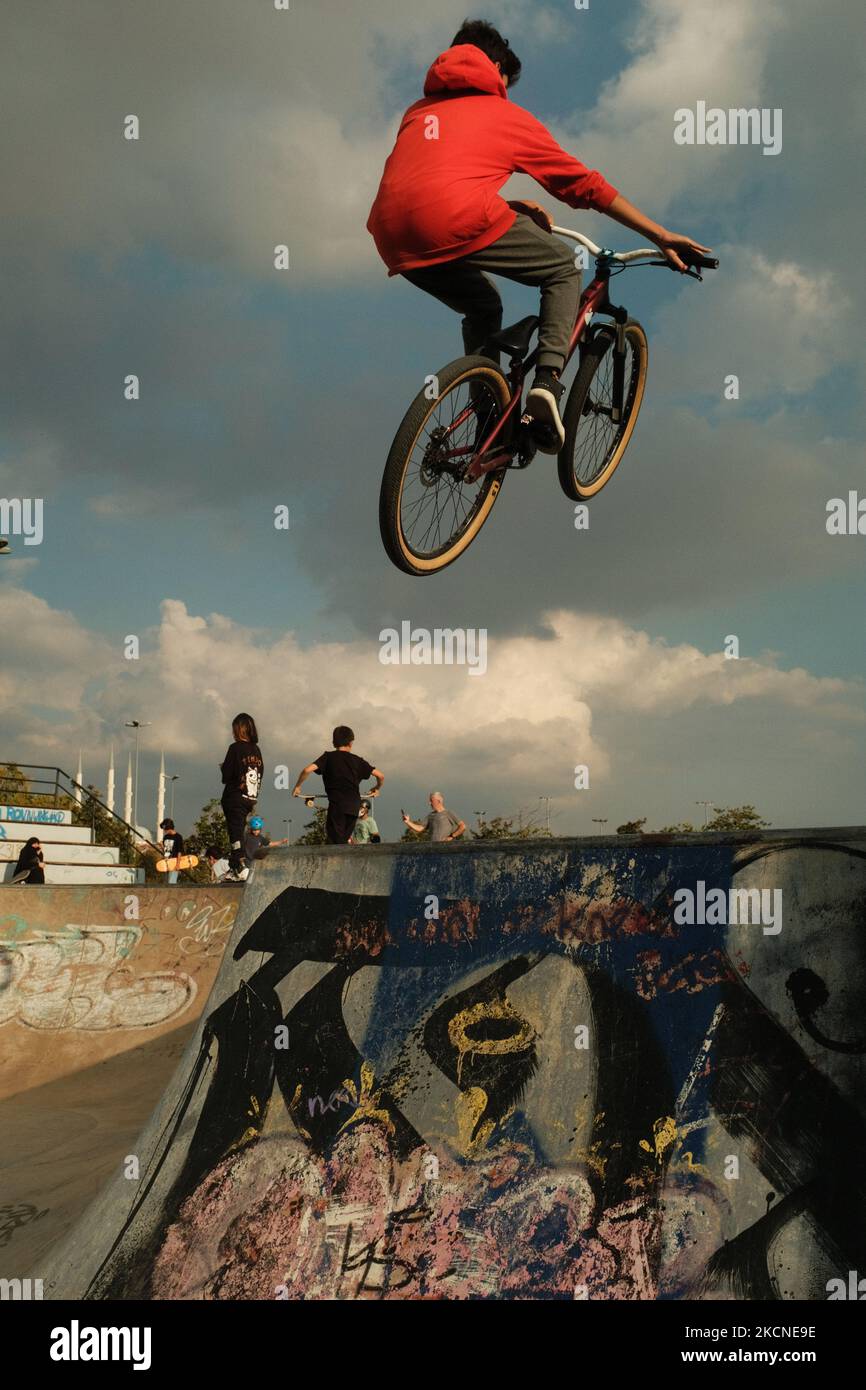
<point>594,300</point>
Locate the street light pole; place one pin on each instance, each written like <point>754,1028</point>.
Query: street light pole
<point>137,725</point>
<point>706,805</point>
<point>174,778</point>
<point>547,800</point>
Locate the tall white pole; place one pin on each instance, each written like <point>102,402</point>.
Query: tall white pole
<point>109,789</point>
<point>127,800</point>
<point>160,794</point>
<point>79,777</point>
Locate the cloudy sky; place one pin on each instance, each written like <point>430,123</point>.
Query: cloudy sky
<point>262,388</point>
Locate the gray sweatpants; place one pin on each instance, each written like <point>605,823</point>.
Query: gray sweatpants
<point>525,253</point>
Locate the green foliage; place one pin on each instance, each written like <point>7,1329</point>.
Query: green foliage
<point>505,828</point>
<point>13,784</point>
<point>685,827</point>
<point>314,830</point>
<point>414,836</point>
<point>209,829</point>
<point>632,827</point>
<point>736,818</point>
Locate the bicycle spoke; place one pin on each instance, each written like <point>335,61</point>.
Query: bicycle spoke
<point>436,506</point>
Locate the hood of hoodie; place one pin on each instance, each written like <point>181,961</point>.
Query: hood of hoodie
<point>464,69</point>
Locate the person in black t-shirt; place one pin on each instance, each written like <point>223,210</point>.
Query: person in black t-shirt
<point>172,845</point>
<point>342,772</point>
<point>242,769</point>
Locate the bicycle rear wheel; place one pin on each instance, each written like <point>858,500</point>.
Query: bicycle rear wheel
<point>594,443</point>
<point>427,514</point>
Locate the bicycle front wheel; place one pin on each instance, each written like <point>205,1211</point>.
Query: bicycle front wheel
<point>594,442</point>
<point>427,514</point>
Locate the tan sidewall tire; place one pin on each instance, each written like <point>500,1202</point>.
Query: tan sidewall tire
<point>391,496</point>
<point>578,492</point>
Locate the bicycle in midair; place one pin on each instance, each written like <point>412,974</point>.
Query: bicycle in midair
<point>452,451</point>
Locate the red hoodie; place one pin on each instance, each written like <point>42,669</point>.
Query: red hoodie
<point>439,197</point>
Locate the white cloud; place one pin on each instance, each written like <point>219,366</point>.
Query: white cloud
<point>777,325</point>
<point>592,691</point>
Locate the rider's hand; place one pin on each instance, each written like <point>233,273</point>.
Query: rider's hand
<point>374,792</point>
<point>671,244</point>
<point>297,792</point>
<point>538,214</point>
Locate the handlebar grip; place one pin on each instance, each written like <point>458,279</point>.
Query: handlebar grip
<point>701,262</point>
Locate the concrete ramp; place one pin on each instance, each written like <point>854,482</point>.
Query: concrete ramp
<point>100,990</point>
<point>586,1069</point>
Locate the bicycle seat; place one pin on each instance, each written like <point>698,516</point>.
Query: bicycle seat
<point>515,340</point>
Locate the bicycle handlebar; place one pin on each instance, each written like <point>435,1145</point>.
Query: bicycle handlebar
<point>691,258</point>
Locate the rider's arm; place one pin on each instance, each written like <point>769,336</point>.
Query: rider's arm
<point>537,154</point>
<point>380,777</point>
<point>621,210</point>
<point>302,776</point>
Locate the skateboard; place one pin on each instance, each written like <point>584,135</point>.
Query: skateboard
<point>180,861</point>
<point>19,878</point>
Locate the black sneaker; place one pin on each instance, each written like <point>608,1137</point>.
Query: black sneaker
<point>542,404</point>
<point>237,863</point>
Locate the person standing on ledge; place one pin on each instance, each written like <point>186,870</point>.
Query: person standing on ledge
<point>342,772</point>
<point>241,769</point>
<point>442,825</point>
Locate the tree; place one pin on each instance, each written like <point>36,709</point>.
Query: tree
<point>413,836</point>
<point>504,828</point>
<point>685,827</point>
<point>736,818</point>
<point>209,829</point>
<point>631,827</point>
<point>314,830</point>
<point>13,783</point>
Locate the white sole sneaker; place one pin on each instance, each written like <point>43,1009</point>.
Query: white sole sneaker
<point>544,409</point>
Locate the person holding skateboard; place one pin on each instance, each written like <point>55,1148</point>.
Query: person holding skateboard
<point>342,772</point>
<point>172,845</point>
<point>29,867</point>
<point>242,769</point>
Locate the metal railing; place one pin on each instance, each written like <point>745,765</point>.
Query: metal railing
<point>61,788</point>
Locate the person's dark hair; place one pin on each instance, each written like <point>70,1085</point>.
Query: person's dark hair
<point>34,840</point>
<point>244,728</point>
<point>166,825</point>
<point>343,734</point>
<point>212,852</point>
<point>483,35</point>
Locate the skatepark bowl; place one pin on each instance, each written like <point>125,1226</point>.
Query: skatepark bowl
<point>100,990</point>
<point>613,1068</point>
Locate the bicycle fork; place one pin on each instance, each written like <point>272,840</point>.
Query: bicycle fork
<point>620,316</point>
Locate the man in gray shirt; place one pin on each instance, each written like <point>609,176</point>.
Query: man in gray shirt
<point>442,824</point>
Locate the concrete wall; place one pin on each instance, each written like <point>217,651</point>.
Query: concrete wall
<point>89,972</point>
<point>513,1071</point>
